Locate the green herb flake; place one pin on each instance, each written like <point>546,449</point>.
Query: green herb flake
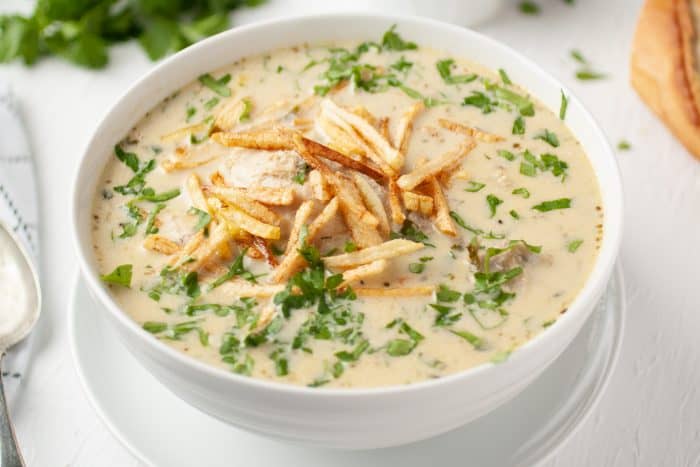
<point>444,68</point>
<point>521,192</point>
<point>349,246</point>
<point>211,103</point>
<point>504,77</point>
<point>474,340</point>
<point>219,86</point>
<point>247,107</point>
<point>154,327</point>
<point>563,105</point>
<point>462,223</point>
<point>500,356</point>
<point>529,8</point>
<point>518,126</point>
<point>392,41</point>
<point>410,231</point>
<point>189,113</point>
<point>481,101</point>
<point>574,245</point>
<point>507,155</point>
<point>545,206</point>
<point>473,186</point>
<point>203,218</point>
<point>150,221</point>
<point>416,268</point>
<point>399,347</point>
<point>589,75</point>
<point>624,145</point>
<point>493,202</point>
<point>446,294</point>
<point>514,214</point>
<point>120,276</point>
<point>129,158</point>
<point>549,137</point>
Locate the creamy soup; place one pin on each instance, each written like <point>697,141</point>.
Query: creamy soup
<point>348,215</point>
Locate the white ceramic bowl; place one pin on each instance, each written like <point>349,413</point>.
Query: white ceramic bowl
<point>357,418</point>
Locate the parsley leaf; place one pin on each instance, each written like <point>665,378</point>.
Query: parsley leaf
<point>392,41</point>
<point>473,186</point>
<point>444,67</point>
<point>549,137</point>
<point>563,105</point>
<point>561,203</point>
<point>410,231</point>
<point>493,202</point>
<point>120,276</point>
<point>219,86</point>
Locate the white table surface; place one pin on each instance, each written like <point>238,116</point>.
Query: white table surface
<point>650,415</point>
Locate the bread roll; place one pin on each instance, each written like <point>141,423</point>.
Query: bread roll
<point>665,65</point>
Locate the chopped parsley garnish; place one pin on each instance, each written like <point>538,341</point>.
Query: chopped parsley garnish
<point>523,104</point>
<point>561,203</point>
<point>521,192</point>
<point>446,294</point>
<point>129,229</point>
<point>549,137</point>
<point>504,77</point>
<point>174,282</point>
<point>355,353</point>
<point>518,126</point>
<point>444,67</point>
<point>219,86</point>
<point>120,276</point>
<point>500,357</point>
<point>402,65</point>
<point>574,245</point>
<point>529,8</point>
<point>203,218</point>
<point>392,41</point>
<point>150,221</point>
<point>190,112</point>
<point>460,222</point>
<point>129,158</point>
<point>138,181</point>
<point>300,176</point>
<point>154,327</point>
<point>493,202</point>
<point>507,155</point>
<point>545,163</point>
<point>247,107</point>
<point>563,106</point>
<point>473,186</point>
<point>236,269</point>
<point>480,100</point>
<point>349,246</point>
<point>514,214</point>
<point>211,103</point>
<point>416,268</point>
<point>148,194</point>
<point>586,73</point>
<point>410,231</point>
<point>474,340</point>
<point>624,145</point>
<point>400,347</point>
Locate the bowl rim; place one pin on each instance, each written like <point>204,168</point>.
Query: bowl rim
<point>595,282</point>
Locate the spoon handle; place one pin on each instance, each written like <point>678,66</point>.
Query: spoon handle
<point>9,452</point>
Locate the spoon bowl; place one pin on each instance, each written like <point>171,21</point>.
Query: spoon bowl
<point>20,306</point>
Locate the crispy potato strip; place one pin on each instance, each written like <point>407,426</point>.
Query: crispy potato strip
<point>475,133</point>
<point>373,202</point>
<point>229,115</point>
<point>273,139</point>
<point>192,244</point>
<point>405,128</point>
<point>443,221</point>
<point>361,223</point>
<point>361,272</point>
<point>161,244</point>
<point>238,197</point>
<point>319,187</point>
<point>328,111</point>
<point>215,246</point>
<point>383,127</point>
<point>340,140</point>
<point>325,152</point>
<point>300,220</point>
<point>293,261</point>
<point>434,166</point>
<point>240,288</point>
<point>237,218</point>
<point>394,291</point>
<point>417,202</point>
<point>283,196</point>
<point>368,132</point>
<point>386,250</point>
<point>196,193</point>
<point>397,215</point>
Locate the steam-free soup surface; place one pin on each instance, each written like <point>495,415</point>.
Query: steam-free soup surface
<point>348,215</point>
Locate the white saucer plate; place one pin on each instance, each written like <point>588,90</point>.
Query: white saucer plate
<point>161,430</point>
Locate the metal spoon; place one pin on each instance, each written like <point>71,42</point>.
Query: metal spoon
<point>14,332</point>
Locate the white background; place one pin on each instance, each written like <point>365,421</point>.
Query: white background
<point>650,415</point>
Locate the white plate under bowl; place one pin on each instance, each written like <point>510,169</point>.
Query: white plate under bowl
<point>162,430</point>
